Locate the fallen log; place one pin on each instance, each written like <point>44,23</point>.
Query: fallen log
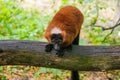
<point>82,58</point>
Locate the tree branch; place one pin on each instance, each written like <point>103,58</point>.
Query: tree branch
<point>108,35</point>
<point>83,58</point>
<point>109,28</point>
<point>112,27</point>
<point>116,24</point>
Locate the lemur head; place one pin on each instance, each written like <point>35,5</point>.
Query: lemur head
<point>56,40</point>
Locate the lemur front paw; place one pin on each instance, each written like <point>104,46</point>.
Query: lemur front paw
<point>48,47</point>
<point>60,53</point>
<point>69,47</point>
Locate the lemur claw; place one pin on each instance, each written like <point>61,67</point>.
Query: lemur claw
<point>48,47</point>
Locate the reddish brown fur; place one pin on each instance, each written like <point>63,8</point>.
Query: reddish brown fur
<point>69,19</point>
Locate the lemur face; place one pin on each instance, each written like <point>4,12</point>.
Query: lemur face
<point>56,40</point>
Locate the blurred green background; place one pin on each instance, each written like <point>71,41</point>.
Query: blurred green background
<point>27,20</point>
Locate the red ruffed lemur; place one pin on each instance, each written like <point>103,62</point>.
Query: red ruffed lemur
<point>63,31</point>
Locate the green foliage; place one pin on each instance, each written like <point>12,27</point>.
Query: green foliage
<point>65,1</point>
<point>3,77</point>
<point>92,14</point>
<point>1,68</point>
<point>97,35</point>
<point>56,72</point>
<point>19,23</point>
<point>81,1</point>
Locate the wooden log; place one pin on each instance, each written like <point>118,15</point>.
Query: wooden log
<point>82,58</point>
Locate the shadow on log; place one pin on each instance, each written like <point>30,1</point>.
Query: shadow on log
<point>82,58</point>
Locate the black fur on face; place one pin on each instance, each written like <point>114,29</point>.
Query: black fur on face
<point>56,40</point>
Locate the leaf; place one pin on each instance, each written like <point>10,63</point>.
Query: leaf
<point>80,1</point>
<point>3,77</point>
<point>13,70</point>
<point>65,1</point>
<point>42,70</point>
<point>1,68</point>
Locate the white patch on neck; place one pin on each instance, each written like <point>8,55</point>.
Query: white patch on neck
<point>56,30</point>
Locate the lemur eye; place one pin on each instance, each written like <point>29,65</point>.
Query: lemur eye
<point>53,36</point>
<point>60,36</point>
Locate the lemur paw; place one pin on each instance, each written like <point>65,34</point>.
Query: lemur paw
<point>69,47</point>
<point>48,47</point>
<point>60,53</point>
